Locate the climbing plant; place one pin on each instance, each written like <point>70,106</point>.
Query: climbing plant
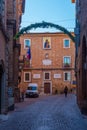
<point>44,25</point>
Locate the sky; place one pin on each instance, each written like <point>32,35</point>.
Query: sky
<point>61,12</point>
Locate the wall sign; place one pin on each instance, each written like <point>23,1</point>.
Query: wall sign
<point>10,92</point>
<point>47,62</point>
<point>36,76</point>
<point>56,76</point>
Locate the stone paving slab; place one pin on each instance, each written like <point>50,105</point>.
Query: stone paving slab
<point>3,117</point>
<point>48,113</point>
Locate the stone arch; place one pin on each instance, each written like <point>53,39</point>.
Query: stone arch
<point>84,55</point>
<point>45,25</point>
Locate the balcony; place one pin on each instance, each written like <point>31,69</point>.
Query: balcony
<point>21,59</point>
<point>24,62</point>
<point>21,62</point>
<point>66,65</point>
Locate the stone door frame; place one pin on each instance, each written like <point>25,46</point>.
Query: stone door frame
<point>50,82</point>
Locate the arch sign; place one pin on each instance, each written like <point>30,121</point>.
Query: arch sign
<point>44,25</point>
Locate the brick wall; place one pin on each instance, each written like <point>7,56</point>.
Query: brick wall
<point>55,54</point>
<point>81,59</point>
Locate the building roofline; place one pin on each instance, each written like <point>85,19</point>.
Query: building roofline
<point>46,33</point>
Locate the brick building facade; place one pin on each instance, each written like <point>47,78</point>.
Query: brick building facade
<point>10,19</point>
<point>81,53</point>
<point>52,66</point>
<point>3,59</point>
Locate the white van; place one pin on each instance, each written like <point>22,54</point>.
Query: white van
<point>32,90</point>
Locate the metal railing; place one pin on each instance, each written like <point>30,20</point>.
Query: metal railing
<point>66,65</point>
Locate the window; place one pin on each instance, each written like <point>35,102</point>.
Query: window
<point>46,43</point>
<point>47,76</point>
<point>27,76</point>
<point>26,43</point>
<point>67,60</point>
<point>67,76</point>
<point>66,43</point>
<point>32,88</point>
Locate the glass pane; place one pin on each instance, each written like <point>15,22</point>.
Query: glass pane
<point>68,76</point>
<point>67,60</point>
<point>46,75</point>
<point>65,76</point>
<point>66,43</point>
<point>27,76</point>
<point>27,43</point>
<point>29,88</point>
<point>34,88</point>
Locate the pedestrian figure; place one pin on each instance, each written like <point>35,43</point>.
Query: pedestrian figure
<point>71,90</point>
<point>22,95</point>
<point>66,91</point>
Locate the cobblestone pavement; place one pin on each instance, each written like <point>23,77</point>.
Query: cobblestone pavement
<point>48,113</point>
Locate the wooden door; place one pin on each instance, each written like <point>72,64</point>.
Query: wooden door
<point>47,88</point>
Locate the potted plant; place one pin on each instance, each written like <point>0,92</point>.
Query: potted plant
<point>66,64</point>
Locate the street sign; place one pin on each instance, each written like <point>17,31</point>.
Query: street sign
<point>10,92</point>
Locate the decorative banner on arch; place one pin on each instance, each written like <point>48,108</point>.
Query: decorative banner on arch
<point>44,24</point>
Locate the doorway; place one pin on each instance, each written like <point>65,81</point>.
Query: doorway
<point>47,88</point>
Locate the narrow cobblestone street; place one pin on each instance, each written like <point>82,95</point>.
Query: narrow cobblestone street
<point>46,113</point>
